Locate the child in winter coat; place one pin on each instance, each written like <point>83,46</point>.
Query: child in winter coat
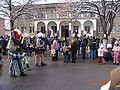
<point>66,53</point>
<point>116,50</point>
<point>53,53</point>
<point>100,54</point>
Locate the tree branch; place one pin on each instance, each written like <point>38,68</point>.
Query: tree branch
<point>21,8</point>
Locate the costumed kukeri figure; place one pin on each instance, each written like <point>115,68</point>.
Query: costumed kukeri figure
<point>39,52</point>
<point>27,48</point>
<point>15,51</point>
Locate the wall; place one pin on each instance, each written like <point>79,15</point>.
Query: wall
<point>2,27</point>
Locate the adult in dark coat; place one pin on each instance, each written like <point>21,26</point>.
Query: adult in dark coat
<point>74,46</point>
<point>83,48</point>
<point>93,48</point>
<point>4,45</point>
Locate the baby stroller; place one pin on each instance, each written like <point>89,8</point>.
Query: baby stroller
<point>108,55</point>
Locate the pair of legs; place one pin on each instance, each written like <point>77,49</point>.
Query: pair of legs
<point>14,66</point>
<point>66,58</point>
<point>73,56</point>
<point>56,55</point>
<point>39,59</point>
<point>53,58</point>
<point>26,61</point>
<point>83,52</point>
<point>116,61</point>
<point>93,54</point>
<point>99,60</point>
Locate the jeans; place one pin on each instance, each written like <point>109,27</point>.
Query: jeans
<point>83,52</point>
<point>93,54</point>
<point>20,66</point>
<point>89,55</point>
<point>56,55</point>
<point>66,58</point>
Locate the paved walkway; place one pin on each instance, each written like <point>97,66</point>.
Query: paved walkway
<point>83,75</point>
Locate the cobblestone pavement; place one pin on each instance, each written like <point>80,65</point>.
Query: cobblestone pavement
<point>84,75</point>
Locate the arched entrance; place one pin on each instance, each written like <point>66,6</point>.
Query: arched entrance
<point>64,27</point>
<point>88,28</point>
<point>52,26</point>
<point>41,27</point>
<point>76,27</point>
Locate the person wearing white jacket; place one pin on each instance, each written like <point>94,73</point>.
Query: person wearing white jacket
<point>100,54</point>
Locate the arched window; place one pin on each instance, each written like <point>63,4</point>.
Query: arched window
<point>87,29</point>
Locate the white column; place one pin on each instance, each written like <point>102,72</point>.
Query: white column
<point>35,25</point>
<point>82,29</point>
<point>82,26</point>
<point>79,32</point>
<point>46,27</point>
<point>70,29</point>
<point>45,15</point>
<point>94,27</point>
<point>58,29</point>
<point>94,24</point>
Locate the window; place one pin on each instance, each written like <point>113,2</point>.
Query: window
<point>65,31</point>
<point>30,29</point>
<point>87,29</point>
<point>92,15</point>
<point>22,29</point>
<point>75,28</point>
<point>43,14</point>
<point>99,28</point>
<point>33,30</point>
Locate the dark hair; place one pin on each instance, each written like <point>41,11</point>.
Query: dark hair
<point>117,44</point>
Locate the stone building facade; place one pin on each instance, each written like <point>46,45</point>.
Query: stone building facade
<point>54,17</point>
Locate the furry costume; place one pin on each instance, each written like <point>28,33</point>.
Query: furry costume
<point>14,50</point>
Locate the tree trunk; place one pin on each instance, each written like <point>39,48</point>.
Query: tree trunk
<point>11,24</point>
<point>105,41</point>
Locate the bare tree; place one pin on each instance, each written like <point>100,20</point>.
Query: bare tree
<point>66,10</point>
<point>15,8</point>
<point>106,10</point>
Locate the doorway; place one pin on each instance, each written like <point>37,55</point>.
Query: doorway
<point>64,31</point>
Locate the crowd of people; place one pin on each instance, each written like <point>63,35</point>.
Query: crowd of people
<point>20,50</point>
